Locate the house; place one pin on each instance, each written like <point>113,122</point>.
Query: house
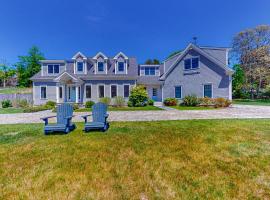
<point>202,71</point>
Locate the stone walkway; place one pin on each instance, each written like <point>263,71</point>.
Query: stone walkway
<point>236,111</point>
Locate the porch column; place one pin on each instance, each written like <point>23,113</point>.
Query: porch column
<point>57,94</point>
<point>77,94</point>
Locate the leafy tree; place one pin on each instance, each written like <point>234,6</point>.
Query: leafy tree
<point>6,72</point>
<point>28,66</point>
<point>152,62</point>
<point>251,48</point>
<point>238,81</point>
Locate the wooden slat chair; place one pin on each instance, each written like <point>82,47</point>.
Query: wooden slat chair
<point>63,124</point>
<point>99,114</point>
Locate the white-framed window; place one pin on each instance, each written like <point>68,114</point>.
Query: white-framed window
<point>126,91</point>
<point>208,90</point>
<point>53,68</point>
<point>43,92</point>
<point>80,65</point>
<point>101,91</point>
<point>178,92</point>
<point>113,91</point>
<point>191,63</point>
<point>88,91</point>
<point>100,66</point>
<point>121,66</point>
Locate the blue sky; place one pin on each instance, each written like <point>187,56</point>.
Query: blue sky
<point>141,28</point>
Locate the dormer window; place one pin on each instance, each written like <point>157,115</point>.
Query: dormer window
<point>100,66</point>
<point>149,70</point>
<point>191,63</point>
<point>53,69</point>
<point>121,66</point>
<point>79,66</point>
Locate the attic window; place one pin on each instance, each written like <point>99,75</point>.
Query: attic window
<point>100,66</point>
<point>121,66</point>
<point>79,66</point>
<point>191,63</point>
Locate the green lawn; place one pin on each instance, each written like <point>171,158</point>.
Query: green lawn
<point>257,102</point>
<point>10,110</point>
<point>122,109</point>
<point>13,90</point>
<point>193,159</point>
<point>191,108</point>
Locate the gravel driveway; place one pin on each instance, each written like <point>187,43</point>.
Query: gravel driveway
<point>236,111</point>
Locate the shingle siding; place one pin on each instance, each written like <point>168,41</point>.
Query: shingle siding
<point>192,81</point>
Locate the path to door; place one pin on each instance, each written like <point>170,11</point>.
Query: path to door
<point>237,111</point>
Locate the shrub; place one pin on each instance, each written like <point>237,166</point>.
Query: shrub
<point>75,106</point>
<point>150,102</point>
<point>206,101</point>
<point>191,100</point>
<point>221,102</point>
<point>6,103</point>
<point>170,102</point>
<point>266,91</point>
<point>138,96</point>
<point>105,100</point>
<point>119,101</point>
<point>22,103</point>
<point>129,104</point>
<point>35,109</point>
<point>50,104</point>
<point>89,104</point>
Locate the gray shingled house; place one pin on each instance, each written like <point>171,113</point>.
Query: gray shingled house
<point>202,71</point>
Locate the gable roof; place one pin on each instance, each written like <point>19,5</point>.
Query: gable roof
<point>79,54</point>
<point>73,77</point>
<point>100,54</point>
<point>120,54</point>
<point>200,51</point>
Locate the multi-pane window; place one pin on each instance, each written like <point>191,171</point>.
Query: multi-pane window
<point>178,92</point>
<point>126,91</point>
<point>60,92</point>
<point>154,92</point>
<point>101,92</point>
<point>191,63</point>
<point>149,71</point>
<point>88,91</point>
<point>79,66</point>
<point>43,92</point>
<point>53,69</point>
<point>207,90</point>
<point>100,66</point>
<point>113,91</point>
<point>121,66</point>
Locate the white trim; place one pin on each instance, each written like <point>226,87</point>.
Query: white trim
<point>104,67</point>
<point>111,90</point>
<point>76,67</point>
<point>100,54</point>
<point>128,90</point>
<point>116,71</point>
<point>211,89</point>
<point>40,92</point>
<point>57,78</point>
<point>98,90</point>
<point>149,66</point>
<point>77,54</point>
<point>42,68</point>
<point>88,84</point>
<point>57,93</point>
<point>53,69</point>
<point>120,54</point>
<point>181,91</point>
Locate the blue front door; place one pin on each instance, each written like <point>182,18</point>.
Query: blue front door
<point>71,93</point>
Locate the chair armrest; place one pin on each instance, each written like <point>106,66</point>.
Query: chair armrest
<point>106,115</point>
<point>69,117</point>
<point>45,119</point>
<point>85,117</point>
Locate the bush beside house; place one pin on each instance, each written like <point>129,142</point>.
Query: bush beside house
<point>138,97</point>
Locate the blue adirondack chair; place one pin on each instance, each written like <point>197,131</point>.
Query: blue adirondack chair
<point>99,114</point>
<point>63,124</point>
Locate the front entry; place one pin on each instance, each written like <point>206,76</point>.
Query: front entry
<point>71,93</point>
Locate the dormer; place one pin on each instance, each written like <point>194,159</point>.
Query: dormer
<point>80,63</point>
<point>121,63</point>
<point>101,62</point>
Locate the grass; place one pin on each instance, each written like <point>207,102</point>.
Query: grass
<point>191,108</point>
<point>257,102</point>
<point>11,110</point>
<point>145,108</point>
<point>13,90</point>
<point>195,159</point>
